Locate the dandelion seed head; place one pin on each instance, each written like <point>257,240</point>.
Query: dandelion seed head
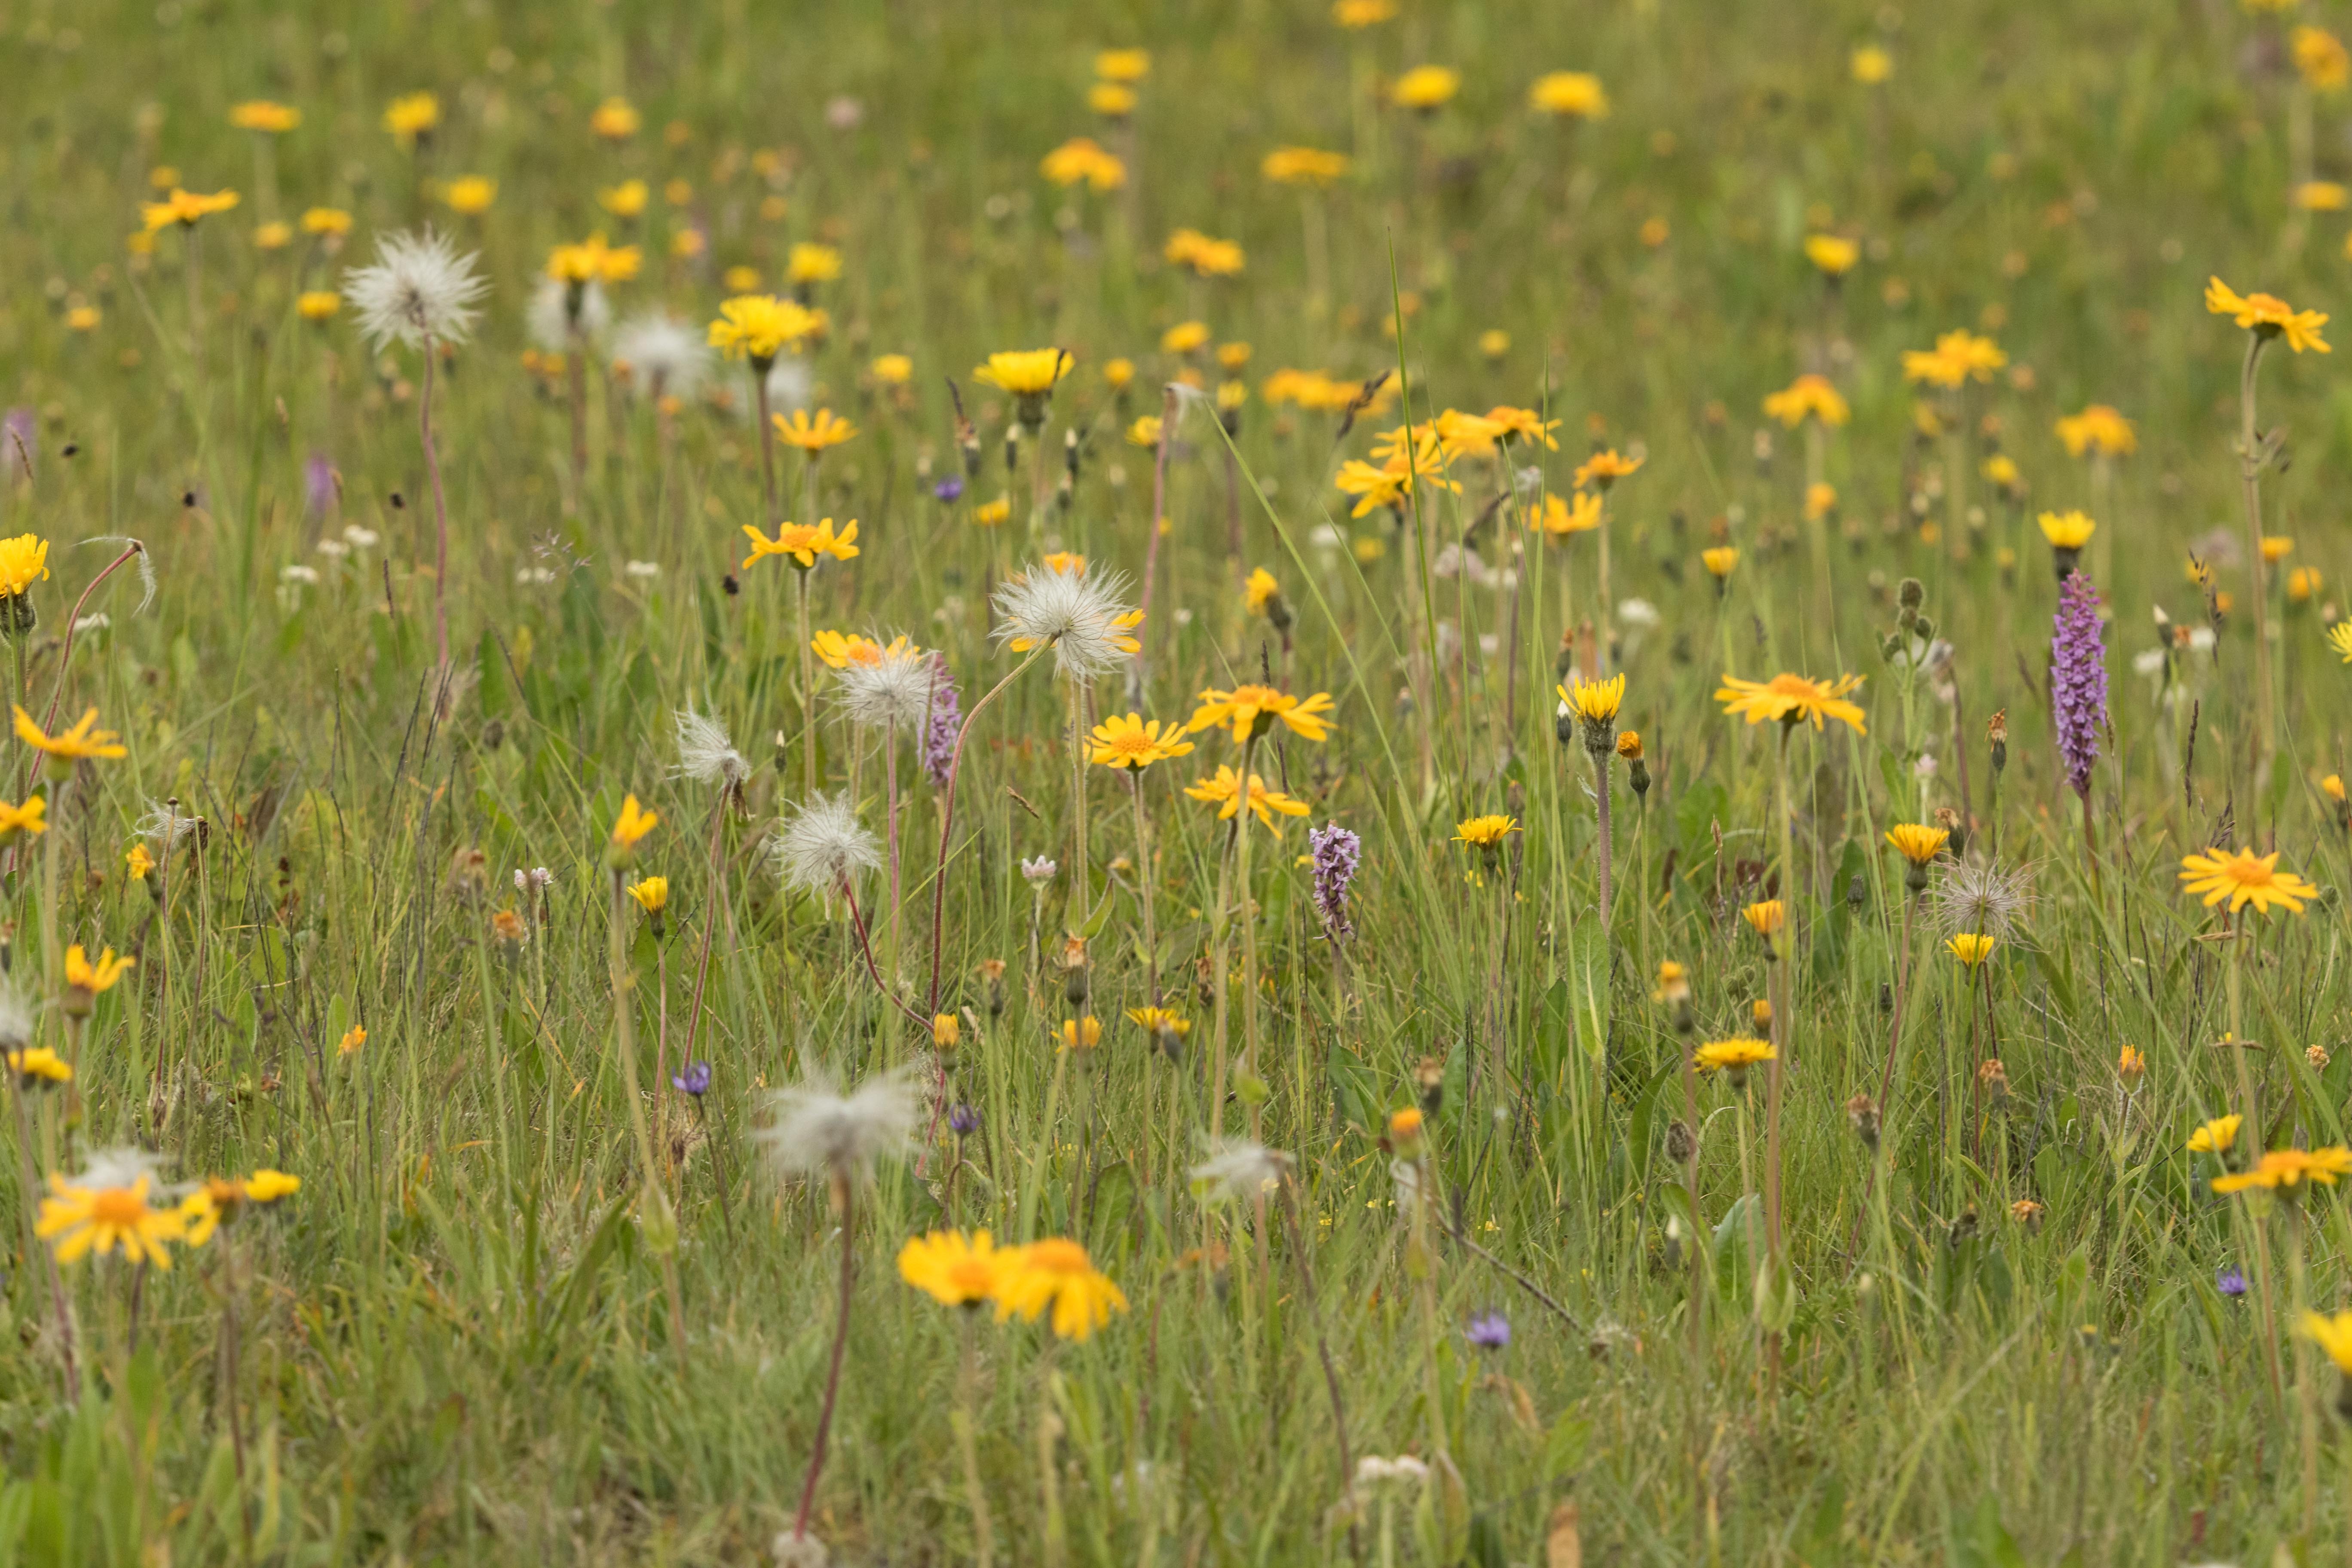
<point>1236,1169</point>
<point>822,845</point>
<point>1988,901</point>
<point>814,1127</point>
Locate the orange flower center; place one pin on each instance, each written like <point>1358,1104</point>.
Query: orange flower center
<point>122,1208</point>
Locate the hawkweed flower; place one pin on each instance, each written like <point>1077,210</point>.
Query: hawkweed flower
<point>651,895</point>
<point>1080,1034</point>
<point>2217,1137</point>
<point>1832,255</point>
<point>1806,397</point>
<point>1732,1057</point>
<point>1486,834</point>
<point>947,1033</point>
<point>629,829</point>
<point>38,1067</point>
<point>1637,766</point>
<point>2068,532</point>
<point>2245,879</point>
<point>2131,1067</point>
<point>1165,1029</point>
<point>418,291</point>
<point>1082,616</point>
<point>2078,679</point>
<point>2098,431</point>
<point>185,208</point>
<point>87,979</point>
<point>820,846</point>
<point>955,1269</point>
<point>1337,855</point>
<point>17,820</point>
<point>1595,704</point>
<point>1720,562</point>
<point>1919,846</point>
<point>1971,949</point>
<point>24,561</point>
<point>1055,1275</point>
<point>1767,917</point>
<point>757,328</point>
<point>1262,596</point>
<point>1030,376</point>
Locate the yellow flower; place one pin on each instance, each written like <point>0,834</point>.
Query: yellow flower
<point>2098,429</point>
<point>1123,64</point>
<point>25,818</point>
<point>1673,983</point>
<point>1603,469</point>
<point>266,1187</point>
<point>1251,710</point>
<point>1207,257</point>
<point>98,978</point>
<point>1493,342</point>
<point>1484,832</point>
<point>136,861</point>
<point>1260,591</point>
<point>1971,948</point>
<point>1833,255</point>
<point>1595,702</point>
<point>1303,166</point>
<point>317,304</point>
<point>813,436</point>
<point>2332,1335</point>
<point>2340,637</point>
<point>1511,424</point>
<point>2217,1136</point>
<point>652,894</point>
<point>1159,1020</point>
<point>954,1270</point>
<point>2267,316</point>
<point>625,200</point>
<point>2066,530</point>
<point>354,1038</point>
<point>1185,338</point>
<point>1082,160</point>
<point>1111,101</point>
<point>1957,359</point>
<point>615,120</point>
<point>2001,469</point>
<point>892,370</point>
<point>1919,844</point>
<point>1766,917</point>
<point>1058,1273</point>
<point>184,208</point>
<point>2333,787</point>
<point>1357,14</point>
<point>1065,561</point>
<point>633,823</point>
<point>273,237</point>
<point>1081,1034</point>
<point>83,318</point>
<point>411,116</point>
<point>1118,372</point>
<point>24,561</point>
<point>2245,879</point>
<point>273,118</point>
<point>759,327</point>
<point>1578,515</point>
<point>1132,743</point>
<point>68,746</point>
<point>989,513</point>
<point>79,1220</point>
<point>470,195</point>
<point>2290,1168</point>
<point>1734,1056</point>
<point>2302,582</point>
<point>1425,88</point>
<point>1026,373</point>
<point>2318,196</point>
<point>2321,57</point>
<point>1577,95</point>
<point>803,543</point>
<point>1224,789</point>
<point>1821,500</point>
<point>1870,65</point>
<point>331,221</point>
<point>38,1065</point>
<point>1810,395</point>
<point>1628,745</point>
<point>1144,432</point>
<point>1389,485</point>
<point>2131,1065</point>
<point>809,263</point>
<point>594,260</point>
<point>2276,548</point>
<point>1719,561</point>
<point>1791,700</point>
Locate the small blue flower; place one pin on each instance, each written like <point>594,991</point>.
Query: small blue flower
<point>1489,1332</point>
<point>948,490</point>
<point>695,1079</point>
<point>2230,1282</point>
<point>963,1120</point>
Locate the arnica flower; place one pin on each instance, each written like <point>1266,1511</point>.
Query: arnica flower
<point>2098,430</point>
<point>2078,679</point>
<point>1806,397</point>
<point>417,288</point>
<point>1733,1056</point>
<point>802,543</point>
<point>1337,855</point>
<point>1832,255</point>
<point>2283,1170</point>
<point>470,196</point>
<point>1133,743</point>
<point>1971,948</point>
<point>1250,710</point>
<point>1055,1275</point>
<point>1720,562</point>
<point>185,208</point>
<point>759,327</point>
<point>108,1212</point>
<point>36,1066</point>
<point>2267,316</point>
<point>1224,790</point>
<point>842,649</point>
<point>260,114</point>
<point>813,436</point>
<point>2218,1136</point>
<point>68,747</point>
<point>2245,879</point>
<point>1602,469</point>
<point>1082,160</point>
<point>2320,58</point>
<point>1303,166</point>
<point>1485,833</point>
<point>1425,88</point>
<point>1791,700</point>
<point>955,1269</point>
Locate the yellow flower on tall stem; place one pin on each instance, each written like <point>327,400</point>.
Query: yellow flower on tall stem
<point>2243,879</point>
<point>2281,1169</point>
<point>1131,742</point>
<point>1791,700</point>
<point>1055,1275</point>
<point>1971,948</point>
<point>1250,710</point>
<point>78,1220</point>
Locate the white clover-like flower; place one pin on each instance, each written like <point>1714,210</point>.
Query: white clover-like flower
<point>1236,1169</point>
<point>1082,617</point>
<point>362,538</point>
<point>667,357</point>
<point>419,289</point>
<point>822,845</point>
<point>892,691</point>
<point>816,1128</point>
<point>1039,871</point>
<point>548,320</point>
<point>705,755</point>
<point>298,572</point>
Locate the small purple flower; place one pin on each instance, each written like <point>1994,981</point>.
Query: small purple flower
<point>948,490</point>
<point>1489,1332</point>
<point>2230,1282</point>
<point>695,1079</point>
<point>2078,679</point>
<point>319,487</point>
<point>947,723</point>
<point>1337,852</point>
<point>963,1120</point>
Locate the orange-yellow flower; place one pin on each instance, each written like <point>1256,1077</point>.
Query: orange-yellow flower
<point>2267,316</point>
<point>1792,699</point>
<point>2245,879</point>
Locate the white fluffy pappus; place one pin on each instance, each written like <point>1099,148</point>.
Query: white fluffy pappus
<point>822,845</point>
<point>1082,615</point>
<point>705,755</point>
<point>893,690</point>
<point>550,323</point>
<point>1236,1169</point>
<point>814,1127</point>
<point>418,287</point>
<point>667,356</point>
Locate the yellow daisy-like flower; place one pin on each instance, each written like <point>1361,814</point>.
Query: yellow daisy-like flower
<point>810,263</point>
<point>1202,255</point>
<point>1144,432</point>
<point>1425,88</point>
<point>989,513</point>
<point>2131,1065</point>
<point>1734,1056</point>
<point>2267,316</point>
<point>354,1038</point>
<point>2244,878</point>
<point>1160,1021</point>
<point>260,114</point>
<point>1808,397</point>
<point>1251,710</point>
<point>78,1220</point>
<point>803,544</point>
<point>1484,832</point>
<point>1224,790</point>
<point>1260,591</point>
<point>1918,843</point>
<point>38,1065</point>
<point>1832,255</point>
<point>1766,917</point>
<point>892,370</point>
<point>317,304</point>
<point>1373,488</point>
<point>1595,702</point>
<point>24,561</point>
<point>2098,429</point>
<point>1357,14</point>
<point>2340,637</point>
<point>813,436</point>
<point>2286,1169</point>
<point>1112,102</point>
<point>759,327</point>
<point>1084,161</point>
<point>2333,1336</point>
<point>2321,58</point>
<point>2066,530</point>
<point>1057,1274</point>
<point>1957,357</point>
<point>593,260</point>
<point>185,208</point>
<point>1081,1034</point>
<point>26,818</point>
<point>1971,948</point>
<point>1185,338</point>
<point>1570,95</point>
<point>70,746</point>
<point>1134,743</point>
<point>955,1269</point>
<point>2217,1136</point>
<point>1026,373</point>
<point>1870,65</point>
<point>1304,166</point>
<point>651,893</point>
<point>615,120</point>
<point>2276,548</point>
<point>840,650</point>
<point>1128,65</point>
<point>411,115</point>
<point>470,196</point>
<point>1603,469</point>
<point>1791,700</point>
<point>633,823</point>
<point>1719,561</point>
<point>1561,519</point>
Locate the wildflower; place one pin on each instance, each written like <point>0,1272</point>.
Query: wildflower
<point>1389,485</point>
<point>1262,596</point>
<point>104,1210</point>
<point>1426,89</point>
<point>2100,430</point>
<point>1870,65</point>
<point>1603,469</point>
<point>1057,1274</point>
<point>1970,947</point>
<point>2245,879</point>
<point>1570,95</point>
<point>1132,743</point>
<point>1733,1056</point>
<point>2283,1170</point>
<point>1166,1029</point>
<point>1084,618</point>
<point>1225,789</point>
<point>891,690</point>
<point>1792,699</point>
<point>1082,160</point>
<point>418,289</point>
<point>947,1032</point>
<point>1039,871</point>
<point>652,895</point>
<point>317,304</point>
<point>2276,548</point>
<point>1303,166</point>
<point>2028,1213</point>
<point>628,829</point>
<point>1720,562</point>
<point>822,845</point>
<point>962,1120</point>
<point>2340,637</point>
<point>185,208</point>
<point>1766,917</point>
<point>332,222</point>
<point>1251,711</point>
<point>2267,316</point>
<point>802,543</point>
<point>1203,256</point>
<point>817,1129</point>
<point>412,116</point>
<point>705,755</point>
<point>470,196</point>
<point>759,327</point>
<point>35,1065</point>
<point>1919,844</point>
<point>1833,255</point>
<point>813,436</point>
<point>1484,832</point>
<point>1673,983</point>
<point>2302,583</point>
<point>354,1038</point>
<point>2078,679</point>
<point>1338,853</point>
<point>1957,357</point>
<point>1984,899</point>
<point>1595,704</point>
<point>1029,375</point>
<point>955,1269</point>
<point>1808,397</point>
<point>2320,58</point>
<point>260,114</point>
<point>1357,14</point>
<point>693,1079</point>
<point>945,725</point>
<point>2230,1282</point>
<point>2131,1066</point>
<point>1237,1169</point>
<point>1111,100</point>
<point>808,263</point>
<point>592,261</point>
<point>2218,1136</point>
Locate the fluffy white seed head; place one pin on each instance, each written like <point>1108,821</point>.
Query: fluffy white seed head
<point>816,1128</point>
<point>822,845</point>
<point>1237,1169</point>
<point>705,755</point>
<point>667,356</point>
<point>549,322</point>
<point>1077,613</point>
<point>15,1020</point>
<point>166,825</point>
<point>418,287</point>
<point>893,692</point>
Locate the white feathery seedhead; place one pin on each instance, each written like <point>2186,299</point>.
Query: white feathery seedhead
<point>16,1019</point>
<point>116,1167</point>
<point>1986,901</point>
<point>166,825</point>
<point>418,287</point>
<point>791,384</point>
<point>893,692</point>
<point>822,845</point>
<point>549,324</point>
<point>705,755</point>
<point>1078,612</point>
<point>667,356</point>
<point>1235,1169</point>
<point>816,1128</point>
